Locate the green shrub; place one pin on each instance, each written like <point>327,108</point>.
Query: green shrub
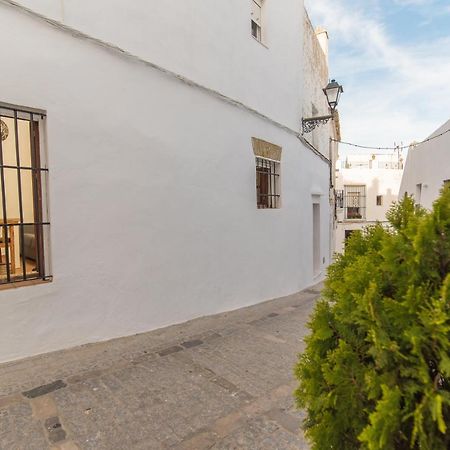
<point>375,369</point>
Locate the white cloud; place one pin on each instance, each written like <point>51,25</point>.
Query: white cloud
<point>393,91</point>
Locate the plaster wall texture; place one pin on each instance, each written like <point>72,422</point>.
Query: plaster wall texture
<point>152,196</point>
<point>428,164</point>
<point>384,182</point>
<point>315,79</point>
<point>207,41</point>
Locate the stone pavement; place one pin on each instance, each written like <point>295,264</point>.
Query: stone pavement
<point>219,382</point>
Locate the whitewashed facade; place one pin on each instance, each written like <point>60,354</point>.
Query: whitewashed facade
<point>324,138</point>
<point>146,111</point>
<point>367,185</point>
<point>427,168</point>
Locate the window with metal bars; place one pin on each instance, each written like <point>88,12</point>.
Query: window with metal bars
<point>355,202</point>
<point>267,183</point>
<point>24,225</point>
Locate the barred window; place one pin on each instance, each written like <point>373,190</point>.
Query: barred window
<point>267,183</point>
<point>24,226</point>
<point>355,202</point>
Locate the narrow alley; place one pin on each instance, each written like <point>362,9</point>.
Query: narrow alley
<point>220,382</point>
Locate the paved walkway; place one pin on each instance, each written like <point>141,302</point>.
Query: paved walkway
<point>221,382</point>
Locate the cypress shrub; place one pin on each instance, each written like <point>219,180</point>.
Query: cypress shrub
<point>375,371</point>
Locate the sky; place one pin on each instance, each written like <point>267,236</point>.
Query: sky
<point>393,59</point>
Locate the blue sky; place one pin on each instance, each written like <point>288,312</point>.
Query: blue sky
<point>393,59</point>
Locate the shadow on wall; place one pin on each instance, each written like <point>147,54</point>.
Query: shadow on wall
<point>374,210</point>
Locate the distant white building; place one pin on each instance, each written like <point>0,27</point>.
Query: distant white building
<point>153,167</point>
<point>366,187</point>
<point>427,168</point>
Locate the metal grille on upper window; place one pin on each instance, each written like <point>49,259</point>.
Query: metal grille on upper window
<point>24,226</point>
<point>355,202</point>
<point>267,183</point>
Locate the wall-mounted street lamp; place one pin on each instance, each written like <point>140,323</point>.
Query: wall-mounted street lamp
<point>333,92</point>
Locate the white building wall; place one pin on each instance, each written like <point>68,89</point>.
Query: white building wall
<point>207,41</point>
<point>377,181</point>
<point>427,165</point>
<point>152,193</point>
<point>316,77</point>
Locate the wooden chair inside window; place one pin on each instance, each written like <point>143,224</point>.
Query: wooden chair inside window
<point>8,245</point>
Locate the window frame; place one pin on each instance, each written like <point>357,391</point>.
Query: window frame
<point>257,22</point>
<point>39,190</point>
<point>359,210</point>
<point>269,170</point>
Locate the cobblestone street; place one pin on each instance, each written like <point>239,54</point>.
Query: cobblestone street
<point>221,382</point>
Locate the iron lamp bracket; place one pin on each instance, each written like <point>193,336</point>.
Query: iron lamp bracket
<point>310,123</point>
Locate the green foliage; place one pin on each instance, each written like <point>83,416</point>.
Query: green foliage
<point>375,373</point>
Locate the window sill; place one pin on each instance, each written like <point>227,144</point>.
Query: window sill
<point>20,284</point>
<point>259,42</point>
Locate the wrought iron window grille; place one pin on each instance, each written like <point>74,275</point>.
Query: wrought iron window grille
<point>23,171</point>
<point>354,202</point>
<point>267,183</point>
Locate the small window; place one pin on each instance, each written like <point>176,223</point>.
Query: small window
<point>24,226</point>
<point>267,183</point>
<point>355,202</point>
<point>348,233</point>
<point>256,19</point>
<point>379,200</point>
<point>418,196</point>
